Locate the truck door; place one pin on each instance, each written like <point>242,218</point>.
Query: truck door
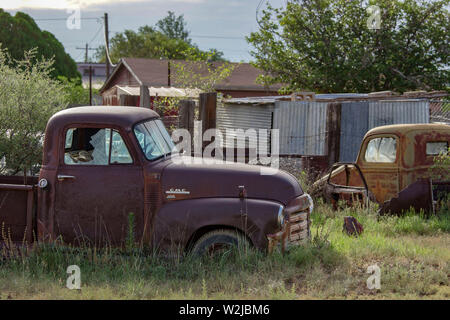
<point>99,188</point>
<point>379,164</point>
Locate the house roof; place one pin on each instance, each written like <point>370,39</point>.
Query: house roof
<point>155,72</point>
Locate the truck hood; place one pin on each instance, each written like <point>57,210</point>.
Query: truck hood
<point>190,178</point>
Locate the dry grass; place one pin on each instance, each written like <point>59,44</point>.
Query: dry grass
<point>413,253</point>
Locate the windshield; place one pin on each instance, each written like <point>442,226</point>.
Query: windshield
<point>154,139</point>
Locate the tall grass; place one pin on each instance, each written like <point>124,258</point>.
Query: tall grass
<point>412,251</point>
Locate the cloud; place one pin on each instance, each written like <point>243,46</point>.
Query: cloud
<point>70,4</point>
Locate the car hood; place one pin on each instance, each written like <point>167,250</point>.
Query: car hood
<point>190,178</point>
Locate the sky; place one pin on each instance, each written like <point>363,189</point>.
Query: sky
<point>220,24</point>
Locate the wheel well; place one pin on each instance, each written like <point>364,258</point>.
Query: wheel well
<point>203,230</point>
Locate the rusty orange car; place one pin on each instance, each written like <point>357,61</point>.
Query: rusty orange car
<point>393,163</point>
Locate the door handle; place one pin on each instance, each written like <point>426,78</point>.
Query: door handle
<point>62,177</point>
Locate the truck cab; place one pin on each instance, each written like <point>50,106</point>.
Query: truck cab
<point>391,158</point>
<point>106,167</point>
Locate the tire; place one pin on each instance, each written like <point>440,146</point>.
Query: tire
<point>218,241</point>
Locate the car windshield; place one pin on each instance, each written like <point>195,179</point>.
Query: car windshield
<point>153,139</point>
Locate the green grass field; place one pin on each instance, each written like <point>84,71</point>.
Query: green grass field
<point>412,252</point>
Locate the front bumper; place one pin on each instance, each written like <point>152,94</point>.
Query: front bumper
<point>296,228</point>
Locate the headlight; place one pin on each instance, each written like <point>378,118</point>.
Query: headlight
<point>280,217</point>
<point>311,203</point>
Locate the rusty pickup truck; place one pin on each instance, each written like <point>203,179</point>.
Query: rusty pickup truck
<point>394,168</point>
<point>101,164</point>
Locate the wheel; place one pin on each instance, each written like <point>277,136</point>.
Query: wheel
<point>218,241</point>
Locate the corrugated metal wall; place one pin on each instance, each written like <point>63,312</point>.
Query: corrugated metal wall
<point>302,124</point>
<point>354,125</point>
<point>359,117</point>
<point>389,112</point>
<point>241,116</point>
<point>302,127</point>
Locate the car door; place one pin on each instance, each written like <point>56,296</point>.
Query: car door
<point>379,164</point>
<point>99,187</point>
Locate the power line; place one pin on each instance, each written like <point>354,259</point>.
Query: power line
<point>65,19</point>
<point>217,37</point>
<point>97,33</point>
<point>206,36</point>
<point>108,58</point>
<point>257,11</point>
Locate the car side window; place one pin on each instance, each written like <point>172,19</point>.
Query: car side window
<point>436,147</point>
<point>92,146</point>
<point>119,151</point>
<point>382,150</point>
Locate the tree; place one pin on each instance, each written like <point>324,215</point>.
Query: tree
<point>169,42</point>
<point>326,46</point>
<point>75,92</point>
<point>20,33</point>
<point>28,98</point>
<point>200,71</point>
<point>174,27</point>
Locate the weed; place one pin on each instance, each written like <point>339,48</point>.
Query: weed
<point>412,252</point>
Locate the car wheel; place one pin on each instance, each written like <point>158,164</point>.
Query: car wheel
<point>218,241</point>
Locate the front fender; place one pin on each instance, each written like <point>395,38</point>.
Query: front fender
<point>176,222</point>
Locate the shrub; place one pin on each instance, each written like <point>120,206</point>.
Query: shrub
<point>28,98</point>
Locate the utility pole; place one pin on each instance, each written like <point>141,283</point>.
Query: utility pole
<point>168,73</point>
<point>86,55</point>
<point>107,44</point>
<point>90,85</point>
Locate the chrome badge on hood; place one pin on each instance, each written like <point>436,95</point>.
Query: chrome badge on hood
<point>172,193</point>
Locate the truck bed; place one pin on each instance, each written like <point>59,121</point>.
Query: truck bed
<point>17,208</point>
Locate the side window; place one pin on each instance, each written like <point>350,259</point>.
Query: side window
<point>119,151</point>
<point>92,146</point>
<point>435,148</point>
<point>382,150</point>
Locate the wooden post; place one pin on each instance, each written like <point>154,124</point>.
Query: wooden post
<point>333,137</point>
<point>144,100</point>
<point>207,112</point>
<point>186,116</point>
<point>122,99</point>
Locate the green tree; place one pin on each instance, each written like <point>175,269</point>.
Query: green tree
<point>75,92</point>
<point>29,96</point>
<point>168,40</point>
<point>200,71</point>
<point>20,33</point>
<point>326,45</point>
<point>174,27</point>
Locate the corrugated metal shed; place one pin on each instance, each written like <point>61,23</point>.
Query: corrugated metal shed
<point>302,124</point>
<point>398,111</point>
<point>234,116</point>
<point>359,117</point>
<point>354,125</point>
<point>302,127</point>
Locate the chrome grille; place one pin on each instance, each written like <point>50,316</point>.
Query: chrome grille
<point>298,227</point>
